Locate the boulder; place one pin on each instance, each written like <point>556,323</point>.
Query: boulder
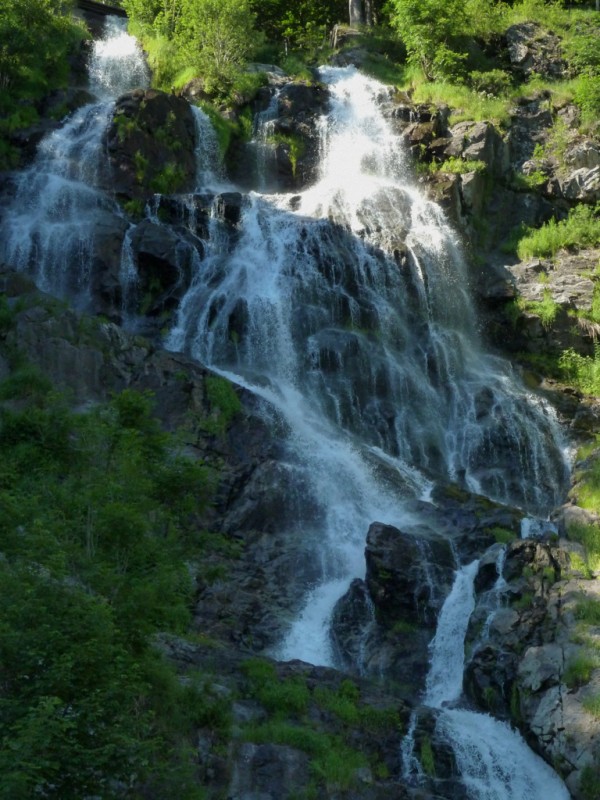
<point>582,185</point>
<point>151,145</point>
<point>533,49</point>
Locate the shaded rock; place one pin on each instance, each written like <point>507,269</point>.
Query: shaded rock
<point>532,49</point>
<point>150,143</point>
<point>405,574</point>
<point>267,772</point>
<point>163,259</point>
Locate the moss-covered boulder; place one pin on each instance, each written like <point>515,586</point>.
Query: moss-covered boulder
<point>151,145</point>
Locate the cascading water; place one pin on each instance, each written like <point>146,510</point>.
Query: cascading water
<point>60,207</point>
<point>493,760</point>
<point>346,308</point>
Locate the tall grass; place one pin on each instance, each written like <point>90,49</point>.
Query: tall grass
<point>580,229</point>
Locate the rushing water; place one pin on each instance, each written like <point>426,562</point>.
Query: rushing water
<point>493,760</point>
<point>347,309</point>
<point>60,206</point>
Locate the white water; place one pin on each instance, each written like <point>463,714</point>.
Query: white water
<point>364,351</point>
<point>60,207</point>
<point>493,760</point>
<point>444,681</point>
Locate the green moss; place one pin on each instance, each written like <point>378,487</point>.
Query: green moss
<point>224,403</point>
<point>426,757</point>
<point>503,535</point>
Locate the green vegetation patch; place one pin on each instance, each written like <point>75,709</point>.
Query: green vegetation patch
<point>588,535</point>
<point>98,514</point>
<point>580,229</point>
<point>578,670</point>
<point>224,403</point>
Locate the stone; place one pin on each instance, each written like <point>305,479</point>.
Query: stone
<point>582,184</point>
<point>151,145</point>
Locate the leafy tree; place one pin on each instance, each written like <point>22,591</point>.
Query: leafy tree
<point>298,24</point>
<point>430,30</point>
<point>216,37</point>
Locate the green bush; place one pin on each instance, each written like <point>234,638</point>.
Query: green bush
<point>97,512</point>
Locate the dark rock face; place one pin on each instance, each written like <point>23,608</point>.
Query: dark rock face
<point>291,148</point>
<point>150,144</point>
<point>383,625</point>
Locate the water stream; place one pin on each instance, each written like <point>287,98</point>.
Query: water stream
<point>347,308</point>
<point>493,759</point>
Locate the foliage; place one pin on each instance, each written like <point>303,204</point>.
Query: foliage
<point>580,229</point>
<point>224,404</point>
<point>592,705</point>
<point>546,309</point>
<point>589,537</point>
<point>503,535</point>
<point>300,25</point>
<point>589,785</point>
<point>588,610</point>
<point>216,37</point>
<point>35,39</point>
<point>430,29</point>
<point>466,103</point>
<point>578,670</point>
<point>458,166</point>
<point>583,372</point>
<point>97,512</point>
<point>491,81</point>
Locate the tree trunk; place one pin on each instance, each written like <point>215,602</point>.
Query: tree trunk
<point>355,9</point>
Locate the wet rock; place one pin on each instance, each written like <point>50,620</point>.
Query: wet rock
<point>163,258</point>
<point>151,145</point>
<point>521,654</point>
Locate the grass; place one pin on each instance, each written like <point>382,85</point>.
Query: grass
<point>588,535</point>
<point>582,372</point>
<point>579,669</point>
<point>588,611</point>
<point>589,785</point>
<point>332,761</point>
<point>466,103</point>
<point>592,705</point>
<point>580,229</point>
<point>546,309</point>
<point>457,166</point>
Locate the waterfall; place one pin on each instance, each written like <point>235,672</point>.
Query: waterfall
<point>346,307</point>
<point>60,207</point>
<point>494,760</point>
